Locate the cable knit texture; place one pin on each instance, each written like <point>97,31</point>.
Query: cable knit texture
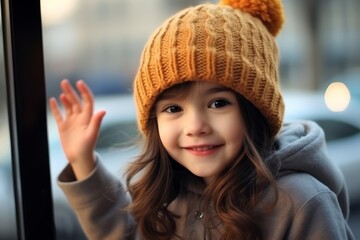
<point>217,43</point>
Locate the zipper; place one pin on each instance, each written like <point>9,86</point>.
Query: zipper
<point>206,235</point>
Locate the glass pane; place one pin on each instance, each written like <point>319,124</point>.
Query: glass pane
<point>7,197</point>
<point>101,41</point>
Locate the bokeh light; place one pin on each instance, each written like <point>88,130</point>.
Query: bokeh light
<point>337,97</point>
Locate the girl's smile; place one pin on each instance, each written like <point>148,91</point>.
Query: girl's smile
<point>203,150</point>
<point>201,129</point>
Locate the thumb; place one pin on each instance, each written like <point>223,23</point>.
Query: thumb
<point>95,122</point>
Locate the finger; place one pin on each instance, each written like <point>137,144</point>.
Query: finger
<point>71,95</point>
<point>95,123</point>
<point>84,90</point>
<point>86,95</point>
<point>55,111</point>
<point>67,104</point>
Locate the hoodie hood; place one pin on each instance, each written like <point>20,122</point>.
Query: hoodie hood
<point>301,147</point>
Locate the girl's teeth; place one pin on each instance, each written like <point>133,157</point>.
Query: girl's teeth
<point>202,148</point>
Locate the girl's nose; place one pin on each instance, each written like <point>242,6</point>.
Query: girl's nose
<point>196,124</point>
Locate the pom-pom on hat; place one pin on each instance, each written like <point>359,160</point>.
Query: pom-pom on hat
<point>231,43</point>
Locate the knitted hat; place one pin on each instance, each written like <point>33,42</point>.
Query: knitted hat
<point>232,43</point>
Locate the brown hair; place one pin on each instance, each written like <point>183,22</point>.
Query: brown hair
<point>153,181</point>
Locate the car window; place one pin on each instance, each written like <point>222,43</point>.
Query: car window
<point>117,135</point>
<point>335,129</point>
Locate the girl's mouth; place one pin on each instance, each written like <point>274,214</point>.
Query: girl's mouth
<point>203,150</point>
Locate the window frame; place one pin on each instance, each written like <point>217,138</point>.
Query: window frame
<point>26,103</point>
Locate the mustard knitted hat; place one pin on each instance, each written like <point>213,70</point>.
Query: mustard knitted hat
<point>231,43</point>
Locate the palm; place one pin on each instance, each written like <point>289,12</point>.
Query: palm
<point>76,135</point>
<point>79,126</point>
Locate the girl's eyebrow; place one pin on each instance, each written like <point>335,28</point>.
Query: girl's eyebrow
<point>218,89</point>
<point>166,96</point>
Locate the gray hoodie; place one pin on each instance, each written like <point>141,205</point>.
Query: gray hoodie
<point>312,204</point>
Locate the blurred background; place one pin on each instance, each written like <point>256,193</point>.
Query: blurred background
<point>100,41</point>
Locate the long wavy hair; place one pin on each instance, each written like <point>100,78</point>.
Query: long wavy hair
<point>154,180</point>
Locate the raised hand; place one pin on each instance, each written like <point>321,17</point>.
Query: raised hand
<point>78,127</point>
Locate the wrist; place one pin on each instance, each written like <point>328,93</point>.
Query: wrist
<point>83,167</point>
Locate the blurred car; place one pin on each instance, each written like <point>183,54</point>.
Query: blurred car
<point>342,132</point>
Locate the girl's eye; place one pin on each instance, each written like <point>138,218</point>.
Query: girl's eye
<point>173,109</point>
<point>219,103</point>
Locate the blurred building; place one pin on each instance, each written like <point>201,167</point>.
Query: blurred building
<point>320,39</point>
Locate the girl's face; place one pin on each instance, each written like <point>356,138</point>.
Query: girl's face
<point>202,130</point>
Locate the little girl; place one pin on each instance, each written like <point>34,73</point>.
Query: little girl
<point>217,161</point>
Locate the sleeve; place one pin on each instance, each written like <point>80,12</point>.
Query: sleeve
<point>320,218</point>
<point>99,202</point>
